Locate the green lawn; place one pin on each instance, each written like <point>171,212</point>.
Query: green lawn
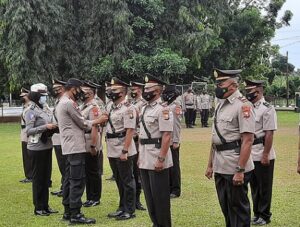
<point>198,205</point>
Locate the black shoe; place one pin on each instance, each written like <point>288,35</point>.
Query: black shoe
<point>60,194</point>
<point>86,203</point>
<point>26,180</point>
<point>261,221</point>
<point>173,196</point>
<point>125,216</point>
<point>191,126</point>
<point>139,206</point>
<point>41,213</point>
<point>111,178</point>
<point>91,203</point>
<point>115,214</point>
<point>254,219</point>
<point>56,192</point>
<point>66,217</point>
<point>80,219</point>
<point>49,210</point>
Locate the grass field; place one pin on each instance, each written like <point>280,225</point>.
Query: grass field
<point>198,205</point>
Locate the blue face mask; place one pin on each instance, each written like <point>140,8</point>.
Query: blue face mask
<point>43,100</point>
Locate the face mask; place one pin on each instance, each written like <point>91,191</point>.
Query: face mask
<point>148,95</point>
<point>22,100</point>
<point>220,92</point>
<point>115,96</point>
<point>251,96</point>
<point>42,100</point>
<point>108,95</point>
<point>133,95</point>
<point>168,97</point>
<point>55,93</point>
<point>78,95</point>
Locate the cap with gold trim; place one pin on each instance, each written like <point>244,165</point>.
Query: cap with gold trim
<point>221,75</point>
<point>89,84</point>
<point>250,84</point>
<point>58,83</point>
<point>151,81</point>
<point>116,82</point>
<point>136,84</point>
<point>24,92</point>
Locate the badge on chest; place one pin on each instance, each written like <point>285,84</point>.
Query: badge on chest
<point>166,114</point>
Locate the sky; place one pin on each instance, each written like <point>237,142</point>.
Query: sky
<point>288,38</point>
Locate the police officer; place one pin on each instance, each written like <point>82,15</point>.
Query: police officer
<point>27,160</point>
<point>155,156</point>
<point>204,106</point>
<point>39,129</point>
<point>94,157</point>
<point>138,102</point>
<point>169,96</point>
<point>58,91</point>
<point>121,149</point>
<point>298,167</point>
<point>188,106</point>
<point>263,153</point>
<point>232,138</point>
<point>72,128</point>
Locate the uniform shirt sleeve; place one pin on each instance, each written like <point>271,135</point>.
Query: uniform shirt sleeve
<point>94,113</point>
<point>130,118</point>
<point>270,120</point>
<point>246,118</point>
<point>177,112</point>
<point>78,118</point>
<point>30,119</point>
<point>165,120</point>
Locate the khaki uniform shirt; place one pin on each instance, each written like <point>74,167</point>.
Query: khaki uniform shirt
<point>23,134</point>
<point>189,101</point>
<point>91,111</point>
<point>123,116</point>
<point>234,116</point>
<point>158,119</point>
<point>56,136</point>
<point>71,126</point>
<point>203,102</point>
<point>177,114</point>
<point>138,104</point>
<point>265,120</point>
<point>108,105</point>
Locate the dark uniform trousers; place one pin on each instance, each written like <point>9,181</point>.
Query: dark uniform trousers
<point>136,174</point>
<point>156,188</point>
<point>175,173</point>
<point>94,170</point>
<point>188,115</point>
<point>74,183</point>
<point>27,161</point>
<point>194,116</point>
<point>123,173</point>
<point>204,117</point>
<point>234,200</point>
<point>261,189</point>
<point>61,161</point>
<point>41,174</point>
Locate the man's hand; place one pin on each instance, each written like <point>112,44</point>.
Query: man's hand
<point>51,126</point>
<point>209,172</point>
<point>123,157</point>
<point>175,145</point>
<point>158,166</point>
<point>93,151</point>
<point>265,160</point>
<point>238,179</point>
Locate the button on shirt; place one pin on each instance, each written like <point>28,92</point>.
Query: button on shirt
<point>234,117</point>
<point>158,119</point>
<point>265,120</point>
<point>123,116</point>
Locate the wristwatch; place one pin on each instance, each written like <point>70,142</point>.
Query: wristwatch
<point>93,146</point>
<point>239,169</point>
<point>161,159</point>
<point>124,152</point>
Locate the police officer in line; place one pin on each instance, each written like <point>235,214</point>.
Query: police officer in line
<point>263,153</point>
<point>94,157</point>
<point>232,138</point>
<point>298,167</point>
<point>120,129</point>
<point>138,102</point>
<point>194,116</point>
<point>39,129</point>
<point>27,160</point>
<point>72,128</point>
<point>204,106</point>
<point>155,156</point>
<point>169,96</point>
<point>188,106</point>
<point>58,91</point>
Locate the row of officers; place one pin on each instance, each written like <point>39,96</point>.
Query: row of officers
<point>145,135</point>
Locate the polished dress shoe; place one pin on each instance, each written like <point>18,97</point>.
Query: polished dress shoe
<point>80,219</point>
<point>66,217</point>
<point>91,203</point>
<point>125,216</point>
<point>115,214</point>
<point>41,213</point>
<point>26,180</point>
<point>139,206</point>
<point>49,210</point>
<point>85,204</point>
<point>173,196</point>
<point>57,193</point>
<point>261,221</point>
<point>254,219</point>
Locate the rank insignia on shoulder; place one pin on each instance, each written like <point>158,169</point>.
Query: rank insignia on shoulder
<point>166,114</point>
<point>130,113</point>
<point>266,104</point>
<point>243,99</point>
<point>95,111</point>
<point>246,111</point>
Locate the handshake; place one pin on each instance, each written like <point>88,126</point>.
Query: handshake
<point>101,120</point>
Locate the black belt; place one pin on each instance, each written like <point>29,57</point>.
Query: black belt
<point>116,135</point>
<point>259,140</point>
<point>189,104</point>
<point>23,126</point>
<point>228,146</point>
<point>150,141</point>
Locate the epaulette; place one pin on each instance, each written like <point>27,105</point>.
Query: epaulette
<point>127,104</point>
<point>164,104</point>
<point>266,104</point>
<point>243,99</point>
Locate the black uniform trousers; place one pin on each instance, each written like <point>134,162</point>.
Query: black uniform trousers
<point>234,200</point>
<point>74,182</point>
<point>188,115</point>
<point>194,116</point>
<point>41,174</point>
<point>123,173</point>
<point>27,161</point>
<point>61,161</point>
<point>261,184</point>
<point>94,171</point>
<point>175,173</point>
<point>136,174</point>
<point>156,188</point>
<point>204,117</point>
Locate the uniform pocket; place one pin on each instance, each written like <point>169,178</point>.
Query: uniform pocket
<point>77,169</point>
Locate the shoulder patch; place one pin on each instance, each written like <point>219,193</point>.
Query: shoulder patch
<point>130,113</point>
<point>95,111</point>
<point>246,111</point>
<point>178,110</point>
<point>266,104</point>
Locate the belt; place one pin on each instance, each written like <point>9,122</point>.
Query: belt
<point>228,146</point>
<point>259,140</point>
<point>189,104</point>
<point>23,126</point>
<point>150,141</point>
<point>116,135</point>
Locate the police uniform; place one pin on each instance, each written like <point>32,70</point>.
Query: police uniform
<point>27,160</point>
<point>233,116</point>
<point>188,105</point>
<point>94,164</point>
<point>122,116</point>
<point>204,106</point>
<point>262,178</point>
<point>155,119</point>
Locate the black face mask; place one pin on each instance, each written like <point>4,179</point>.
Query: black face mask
<point>251,96</point>
<point>148,95</point>
<point>108,95</point>
<point>220,92</point>
<point>168,97</point>
<point>133,95</point>
<point>79,95</point>
<point>115,96</point>
<point>84,97</point>
<point>22,100</point>
<point>55,94</point>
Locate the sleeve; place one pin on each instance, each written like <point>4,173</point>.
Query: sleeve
<point>165,120</point>
<point>246,118</point>
<point>270,120</point>
<point>130,118</point>
<point>183,101</point>
<point>78,118</point>
<point>177,112</point>
<point>30,119</point>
